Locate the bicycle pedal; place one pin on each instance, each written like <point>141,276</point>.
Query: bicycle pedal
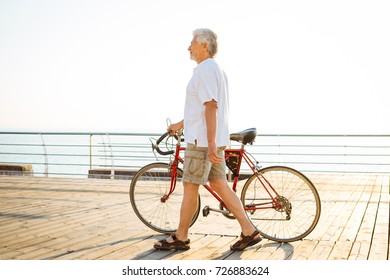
<point>206,211</point>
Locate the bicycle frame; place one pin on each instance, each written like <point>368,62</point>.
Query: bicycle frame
<point>228,152</point>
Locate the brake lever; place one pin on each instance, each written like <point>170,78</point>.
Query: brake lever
<point>152,140</point>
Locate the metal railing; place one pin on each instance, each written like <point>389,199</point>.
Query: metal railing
<point>112,155</point>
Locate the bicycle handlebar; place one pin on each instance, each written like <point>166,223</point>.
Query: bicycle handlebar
<point>157,148</point>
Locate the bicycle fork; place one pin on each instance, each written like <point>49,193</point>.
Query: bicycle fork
<point>173,170</point>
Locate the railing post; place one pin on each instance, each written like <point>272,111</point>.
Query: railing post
<point>112,158</point>
<point>45,156</point>
<point>90,151</point>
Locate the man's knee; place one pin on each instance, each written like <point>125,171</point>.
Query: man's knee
<point>218,184</point>
<point>190,188</point>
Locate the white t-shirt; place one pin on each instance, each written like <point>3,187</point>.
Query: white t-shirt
<point>207,83</point>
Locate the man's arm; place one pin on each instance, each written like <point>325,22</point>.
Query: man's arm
<point>211,108</point>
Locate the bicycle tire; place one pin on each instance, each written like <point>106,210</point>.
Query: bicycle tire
<point>147,188</point>
<point>301,204</point>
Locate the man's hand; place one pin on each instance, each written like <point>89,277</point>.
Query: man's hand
<point>173,128</point>
<point>213,154</point>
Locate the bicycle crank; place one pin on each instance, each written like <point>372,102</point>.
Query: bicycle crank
<point>229,214</point>
<point>207,209</point>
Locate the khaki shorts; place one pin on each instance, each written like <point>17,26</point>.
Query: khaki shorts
<point>197,167</point>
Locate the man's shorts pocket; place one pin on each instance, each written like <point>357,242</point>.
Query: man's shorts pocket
<point>194,163</point>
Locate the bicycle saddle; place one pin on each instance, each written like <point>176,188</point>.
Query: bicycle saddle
<point>246,136</point>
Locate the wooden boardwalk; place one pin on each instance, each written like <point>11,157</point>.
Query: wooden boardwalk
<point>56,218</point>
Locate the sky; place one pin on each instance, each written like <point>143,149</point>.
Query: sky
<point>123,66</point>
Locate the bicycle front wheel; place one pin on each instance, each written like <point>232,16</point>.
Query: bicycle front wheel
<point>148,190</point>
<point>281,203</point>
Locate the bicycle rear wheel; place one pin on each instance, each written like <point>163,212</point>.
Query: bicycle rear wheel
<point>294,210</point>
<point>147,189</point>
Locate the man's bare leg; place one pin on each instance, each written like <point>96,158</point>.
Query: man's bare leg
<point>232,202</point>
<point>187,211</point>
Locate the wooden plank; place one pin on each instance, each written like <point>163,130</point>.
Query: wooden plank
<point>248,252</point>
<point>380,239</point>
<point>305,248</point>
<point>270,250</point>
<point>197,251</point>
<point>81,246</point>
<point>360,250</point>
<point>322,250</point>
<point>341,250</point>
<point>353,225</point>
<point>153,254</point>
<point>125,250</point>
<point>219,249</point>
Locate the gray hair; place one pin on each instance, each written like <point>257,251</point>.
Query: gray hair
<point>207,36</point>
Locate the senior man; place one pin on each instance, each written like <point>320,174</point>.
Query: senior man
<point>206,130</point>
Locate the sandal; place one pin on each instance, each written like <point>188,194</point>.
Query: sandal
<point>246,241</point>
<point>175,245</point>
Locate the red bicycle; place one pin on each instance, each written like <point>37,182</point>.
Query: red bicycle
<point>282,203</point>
